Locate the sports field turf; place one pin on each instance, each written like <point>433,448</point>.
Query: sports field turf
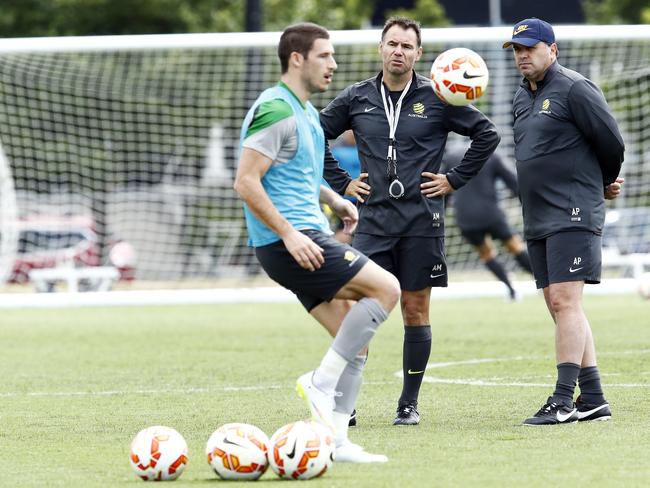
<point>77,384</point>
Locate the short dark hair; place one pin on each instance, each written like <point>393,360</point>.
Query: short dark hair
<point>406,24</point>
<point>299,38</point>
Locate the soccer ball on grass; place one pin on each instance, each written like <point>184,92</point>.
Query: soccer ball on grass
<point>301,450</point>
<point>158,454</point>
<point>459,76</point>
<point>238,452</point>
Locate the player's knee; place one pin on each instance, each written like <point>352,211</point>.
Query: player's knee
<point>514,245</point>
<point>486,252</point>
<point>414,311</point>
<point>412,318</point>
<point>560,301</point>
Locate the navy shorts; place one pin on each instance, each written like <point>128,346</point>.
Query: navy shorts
<point>498,230</point>
<point>312,288</point>
<point>417,262</point>
<point>566,256</point>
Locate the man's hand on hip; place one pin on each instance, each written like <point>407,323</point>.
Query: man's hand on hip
<point>613,190</point>
<point>438,186</point>
<point>358,188</point>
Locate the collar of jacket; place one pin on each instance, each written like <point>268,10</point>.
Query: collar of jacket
<point>417,82</point>
<point>548,76</point>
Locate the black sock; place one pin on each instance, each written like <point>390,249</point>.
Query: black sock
<point>590,389</point>
<point>567,377</point>
<point>499,271</point>
<point>524,261</point>
<point>417,347</point>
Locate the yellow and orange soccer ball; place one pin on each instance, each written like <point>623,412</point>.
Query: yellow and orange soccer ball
<point>459,76</point>
<point>236,451</point>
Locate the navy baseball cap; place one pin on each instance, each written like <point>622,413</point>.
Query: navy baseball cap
<point>529,32</point>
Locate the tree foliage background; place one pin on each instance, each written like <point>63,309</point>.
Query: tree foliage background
<point>36,18</point>
<point>617,11</point>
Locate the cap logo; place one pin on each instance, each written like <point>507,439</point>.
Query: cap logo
<point>520,29</point>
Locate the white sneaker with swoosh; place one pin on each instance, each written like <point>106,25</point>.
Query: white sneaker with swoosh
<point>321,403</point>
<point>349,452</point>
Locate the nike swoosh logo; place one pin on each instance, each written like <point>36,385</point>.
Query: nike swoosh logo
<point>291,454</point>
<point>582,415</point>
<point>571,270</point>
<point>228,441</point>
<point>369,109</point>
<point>564,418</point>
<point>410,371</point>
<point>437,276</point>
<point>467,76</point>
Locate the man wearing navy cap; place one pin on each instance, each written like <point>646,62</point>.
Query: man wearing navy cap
<point>569,153</point>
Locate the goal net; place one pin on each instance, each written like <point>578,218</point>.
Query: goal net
<point>134,140</point>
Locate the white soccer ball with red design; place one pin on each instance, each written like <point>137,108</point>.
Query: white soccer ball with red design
<point>238,452</point>
<point>158,454</point>
<point>301,450</point>
<point>459,76</point>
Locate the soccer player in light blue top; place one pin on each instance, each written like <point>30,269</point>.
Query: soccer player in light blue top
<point>279,177</point>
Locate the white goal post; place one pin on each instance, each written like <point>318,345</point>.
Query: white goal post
<point>136,136</point>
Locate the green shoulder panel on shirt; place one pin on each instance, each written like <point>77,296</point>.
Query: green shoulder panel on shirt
<point>269,113</point>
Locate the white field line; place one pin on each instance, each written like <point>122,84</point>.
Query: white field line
<point>501,383</point>
<point>171,391</point>
<point>427,379</point>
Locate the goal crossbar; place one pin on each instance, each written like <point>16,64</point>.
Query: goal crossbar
<point>266,39</point>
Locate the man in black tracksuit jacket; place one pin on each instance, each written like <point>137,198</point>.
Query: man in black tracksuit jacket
<point>569,153</point>
<point>400,190</point>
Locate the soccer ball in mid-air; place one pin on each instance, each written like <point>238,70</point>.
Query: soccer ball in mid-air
<point>238,452</point>
<point>643,285</point>
<point>459,76</point>
<point>301,450</point>
<point>158,454</point>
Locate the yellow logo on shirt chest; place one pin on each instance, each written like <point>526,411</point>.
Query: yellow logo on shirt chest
<point>546,107</point>
<point>418,111</point>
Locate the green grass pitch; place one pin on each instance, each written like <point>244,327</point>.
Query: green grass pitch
<point>77,384</point>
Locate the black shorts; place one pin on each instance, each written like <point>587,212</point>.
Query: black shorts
<point>566,256</point>
<point>417,262</point>
<point>312,288</point>
<point>498,230</point>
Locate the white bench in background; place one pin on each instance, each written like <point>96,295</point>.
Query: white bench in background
<point>98,278</point>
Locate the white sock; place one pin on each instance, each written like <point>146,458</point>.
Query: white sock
<point>341,424</point>
<point>330,370</point>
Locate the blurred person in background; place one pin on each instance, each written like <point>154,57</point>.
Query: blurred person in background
<point>479,218</point>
